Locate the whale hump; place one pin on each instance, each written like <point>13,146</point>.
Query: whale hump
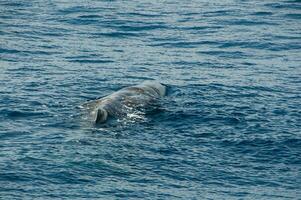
<point>125,101</point>
<point>157,86</point>
<point>101,116</point>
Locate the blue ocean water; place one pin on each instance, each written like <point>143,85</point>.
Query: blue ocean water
<point>228,129</point>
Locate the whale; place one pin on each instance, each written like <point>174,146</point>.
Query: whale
<point>128,99</point>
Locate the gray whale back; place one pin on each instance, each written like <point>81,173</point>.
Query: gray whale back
<point>121,102</point>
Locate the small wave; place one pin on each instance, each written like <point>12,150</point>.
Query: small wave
<point>183,44</point>
<point>140,28</point>
<point>90,61</point>
<point>293,15</point>
<point>262,13</point>
<point>116,34</point>
<point>20,114</point>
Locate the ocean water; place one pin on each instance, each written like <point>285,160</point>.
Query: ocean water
<point>229,128</point>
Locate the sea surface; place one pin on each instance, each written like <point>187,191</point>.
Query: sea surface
<point>229,128</point>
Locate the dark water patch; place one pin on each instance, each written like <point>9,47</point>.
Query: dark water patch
<point>270,150</point>
<point>40,52</point>
<point>183,44</point>
<point>248,44</point>
<point>18,4</point>
<point>190,14</point>
<point>140,28</point>
<point>292,1</point>
<point>293,16</point>
<point>225,54</point>
<point>220,12</point>
<point>283,47</point>
<point>26,52</point>
<point>15,177</point>
<point>292,143</point>
<point>50,46</point>
<point>15,114</point>
<point>92,16</point>
<point>53,34</point>
<point>8,135</point>
<point>23,69</point>
<point>248,63</point>
<point>280,112</point>
<point>287,37</point>
<point>284,5</point>
<point>191,64</point>
<point>245,22</point>
<point>264,89</point>
<point>222,120</point>
<point>140,14</point>
<point>77,9</point>
<point>5,17</point>
<point>80,21</point>
<point>263,13</point>
<point>201,28</point>
<point>119,34</point>
<point>94,61</point>
<point>67,177</point>
<point>9,51</point>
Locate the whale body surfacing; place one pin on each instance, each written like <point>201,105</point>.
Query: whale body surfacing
<point>120,103</point>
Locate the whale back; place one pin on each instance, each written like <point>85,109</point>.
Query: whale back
<point>158,87</point>
<point>129,99</point>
